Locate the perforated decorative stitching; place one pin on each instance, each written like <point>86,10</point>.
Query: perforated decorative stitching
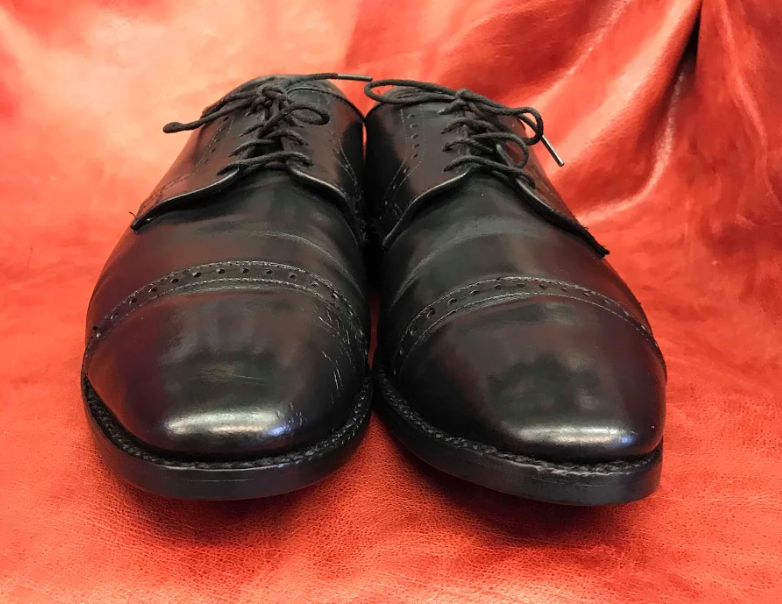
<point>249,273</point>
<point>497,290</point>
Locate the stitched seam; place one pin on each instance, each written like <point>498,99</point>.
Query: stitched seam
<point>398,212</point>
<point>237,263</point>
<point>514,279</point>
<point>330,134</point>
<point>122,439</point>
<point>390,188</point>
<point>404,409</point>
<point>261,283</point>
<point>491,301</point>
<point>355,343</point>
<point>404,350</point>
<point>112,319</point>
<point>348,168</point>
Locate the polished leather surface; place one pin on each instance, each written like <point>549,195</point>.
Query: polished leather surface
<point>671,161</point>
<point>231,320</point>
<point>497,324</point>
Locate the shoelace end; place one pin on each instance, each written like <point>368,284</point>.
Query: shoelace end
<point>549,147</point>
<point>172,127</point>
<point>355,77</point>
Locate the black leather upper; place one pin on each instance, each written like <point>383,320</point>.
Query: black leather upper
<point>231,320</point>
<point>501,321</point>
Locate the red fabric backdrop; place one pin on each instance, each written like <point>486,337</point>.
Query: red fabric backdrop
<point>668,113</point>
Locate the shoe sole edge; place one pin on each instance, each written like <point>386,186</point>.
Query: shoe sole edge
<point>569,483</point>
<point>254,478</point>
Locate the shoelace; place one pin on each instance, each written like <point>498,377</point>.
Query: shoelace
<point>282,114</point>
<point>487,138</point>
<point>486,134</point>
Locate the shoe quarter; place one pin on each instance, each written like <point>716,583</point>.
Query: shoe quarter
<point>406,162</point>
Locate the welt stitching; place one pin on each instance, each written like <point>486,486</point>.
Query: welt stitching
<point>123,440</point>
<point>401,406</point>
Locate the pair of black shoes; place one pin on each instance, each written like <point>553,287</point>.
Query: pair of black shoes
<point>226,352</point>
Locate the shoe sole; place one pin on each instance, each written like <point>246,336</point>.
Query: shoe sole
<point>153,472</point>
<point>583,484</point>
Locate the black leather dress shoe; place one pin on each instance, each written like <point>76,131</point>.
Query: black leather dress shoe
<point>510,353</point>
<point>227,335</point>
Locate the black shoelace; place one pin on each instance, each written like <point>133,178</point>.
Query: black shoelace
<point>281,115</point>
<point>487,139</point>
<point>486,134</point>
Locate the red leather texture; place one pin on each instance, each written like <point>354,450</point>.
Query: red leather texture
<point>668,114</point>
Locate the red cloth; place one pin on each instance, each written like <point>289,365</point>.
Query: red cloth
<point>668,114</point>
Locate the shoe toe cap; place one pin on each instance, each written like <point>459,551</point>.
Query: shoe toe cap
<point>227,374</point>
<point>556,380</point>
